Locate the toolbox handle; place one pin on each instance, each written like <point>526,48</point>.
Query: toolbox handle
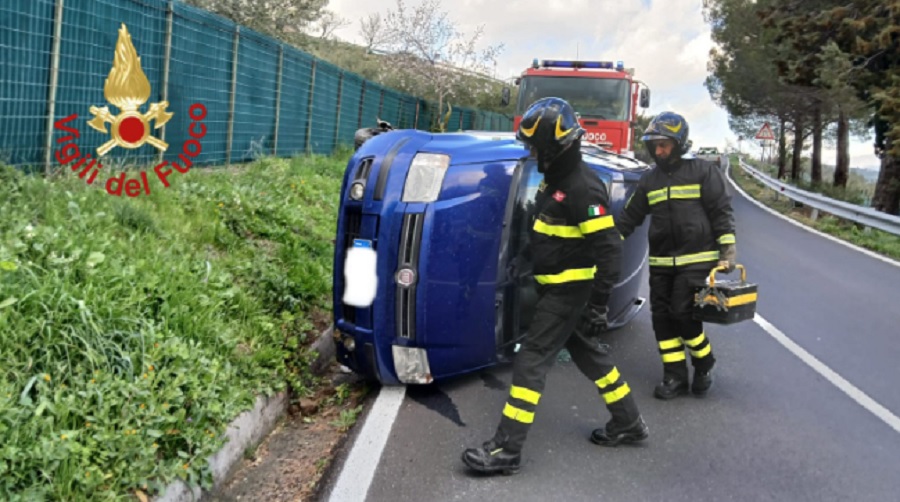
<point>712,274</point>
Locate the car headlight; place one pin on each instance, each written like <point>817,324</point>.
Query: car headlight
<point>426,175</point>
<point>356,190</point>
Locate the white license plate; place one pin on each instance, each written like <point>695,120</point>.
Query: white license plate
<point>360,279</point>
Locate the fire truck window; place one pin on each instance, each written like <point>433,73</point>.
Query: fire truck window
<point>599,98</point>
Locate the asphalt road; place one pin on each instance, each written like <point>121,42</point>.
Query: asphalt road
<point>772,427</point>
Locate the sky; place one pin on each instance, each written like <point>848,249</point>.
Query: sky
<point>667,42</point>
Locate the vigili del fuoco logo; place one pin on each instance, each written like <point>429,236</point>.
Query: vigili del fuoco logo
<point>127,88</point>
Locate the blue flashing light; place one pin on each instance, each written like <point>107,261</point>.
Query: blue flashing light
<point>556,63</point>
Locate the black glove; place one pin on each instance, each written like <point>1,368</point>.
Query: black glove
<point>594,319</point>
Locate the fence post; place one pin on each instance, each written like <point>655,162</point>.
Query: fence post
<point>400,103</point>
<point>165,75</point>
<point>381,103</point>
<point>337,116</point>
<point>278,98</point>
<point>362,99</point>
<point>416,120</point>
<point>309,106</point>
<point>54,80</point>
<point>234,66</point>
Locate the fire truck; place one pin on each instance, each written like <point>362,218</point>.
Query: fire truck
<point>605,96</point>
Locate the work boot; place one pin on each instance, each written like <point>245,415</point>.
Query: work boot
<point>671,387</point>
<point>703,380</point>
<point>492,458</point>
<point>614,435</point>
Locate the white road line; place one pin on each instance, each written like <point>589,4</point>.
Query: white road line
<point>359,469</point>
<point>848,388</point>
<point>807,228</point>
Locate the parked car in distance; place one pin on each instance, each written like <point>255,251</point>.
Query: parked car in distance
<point>711,154</point>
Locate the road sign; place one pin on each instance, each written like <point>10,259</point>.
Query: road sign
<point>765,133</point>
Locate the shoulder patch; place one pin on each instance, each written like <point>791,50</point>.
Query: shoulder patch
<point>596,210</point>
<point>559,196</point>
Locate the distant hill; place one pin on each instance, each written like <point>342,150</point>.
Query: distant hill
<point>870,174</point>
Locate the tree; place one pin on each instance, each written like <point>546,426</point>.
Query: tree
<point>325,26</point>
<point>272,17</point>
<point>427,52</point>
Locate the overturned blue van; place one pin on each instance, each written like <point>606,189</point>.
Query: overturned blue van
<point>447,216</point>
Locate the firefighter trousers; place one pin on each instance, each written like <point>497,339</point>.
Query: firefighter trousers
<point>671,302</point>
<point>556,316</point>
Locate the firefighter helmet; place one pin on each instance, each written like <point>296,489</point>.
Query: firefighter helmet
<point>549,126</point>
<point>668,125</point>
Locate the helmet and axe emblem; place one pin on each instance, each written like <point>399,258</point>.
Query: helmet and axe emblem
<point>128,89</point>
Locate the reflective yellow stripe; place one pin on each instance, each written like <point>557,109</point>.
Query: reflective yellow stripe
<point>574,274</point>
<point>656,196</point>
<point>517,414</point>
<point>611,378</point>
<point>596,224</point>
<point>727,239</point>
<point>527,395</point>
<point>675,192</point>
<point>702,352</point>
<point>733,301</point>
<point>612,397</point>
<point>685,192</point>
<point>697,257</point>
<point>671,343</point>
<point>565,231</point>
<point>673,357</point>
<point>693,342</point>
<point>662,261</point>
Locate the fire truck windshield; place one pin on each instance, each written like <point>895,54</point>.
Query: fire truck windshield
<point>596,98</point>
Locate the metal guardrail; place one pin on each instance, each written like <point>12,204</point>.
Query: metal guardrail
<point>844,210</point>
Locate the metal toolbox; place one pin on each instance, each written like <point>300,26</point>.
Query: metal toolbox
<point>725,302</point>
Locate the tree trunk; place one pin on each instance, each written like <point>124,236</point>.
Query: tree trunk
<point>816,173</point>
<point>842,167</point>
<point>798,150</point>
<point>782,149</point>
<point>887,190</point>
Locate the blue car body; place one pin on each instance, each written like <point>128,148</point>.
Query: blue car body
<point>470,300</point>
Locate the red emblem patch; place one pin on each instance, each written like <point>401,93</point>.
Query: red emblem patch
<point>559,196</point>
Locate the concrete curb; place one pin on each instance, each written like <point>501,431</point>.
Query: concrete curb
<point>248,429</point>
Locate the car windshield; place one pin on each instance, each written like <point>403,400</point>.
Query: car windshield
<point>597,98</point>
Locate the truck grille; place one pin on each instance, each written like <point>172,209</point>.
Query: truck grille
<point>410,242</point>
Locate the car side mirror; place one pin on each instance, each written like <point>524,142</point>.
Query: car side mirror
<point>645,98</point>
<point>504,96</point>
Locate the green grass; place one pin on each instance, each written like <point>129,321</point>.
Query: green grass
<point>872,239</point>
<point>132,331</point>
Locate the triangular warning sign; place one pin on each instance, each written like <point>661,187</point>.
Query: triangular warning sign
<point>765,132</point>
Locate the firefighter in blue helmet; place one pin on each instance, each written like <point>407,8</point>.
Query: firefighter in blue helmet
<point>692,230</point>
<point>576,254</point>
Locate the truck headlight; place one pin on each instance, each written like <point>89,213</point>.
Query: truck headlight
<point>426,175</point>
<point>411,365</point>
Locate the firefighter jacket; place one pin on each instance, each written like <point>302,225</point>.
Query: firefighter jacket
<point>691,214</point>
<point>573,236</point>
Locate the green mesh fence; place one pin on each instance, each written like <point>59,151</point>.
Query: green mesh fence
<point>261,96</point>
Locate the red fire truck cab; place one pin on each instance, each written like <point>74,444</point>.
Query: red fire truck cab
<point>604,95</point>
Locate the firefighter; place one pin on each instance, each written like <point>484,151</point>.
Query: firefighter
<point>576,253</point>
<point>692,230</point>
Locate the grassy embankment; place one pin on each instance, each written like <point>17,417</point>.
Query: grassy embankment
<point>871,239</point>
<point>134,330</point>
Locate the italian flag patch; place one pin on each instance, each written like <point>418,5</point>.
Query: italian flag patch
<point>596,210</point>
